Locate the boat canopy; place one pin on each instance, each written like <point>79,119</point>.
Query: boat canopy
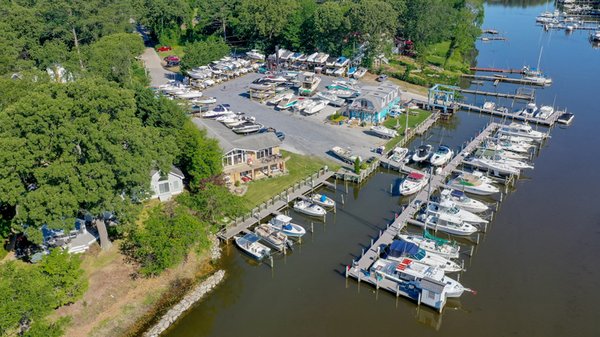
<point>457,194</point>
<point>400,248</point>
<point>323,198</point>
<point>438,241</point>
<point>416,175</point>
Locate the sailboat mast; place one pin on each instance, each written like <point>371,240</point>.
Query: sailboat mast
<point>540,58</point>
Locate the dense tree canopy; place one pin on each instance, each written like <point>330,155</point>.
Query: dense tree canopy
<point>203,52</point>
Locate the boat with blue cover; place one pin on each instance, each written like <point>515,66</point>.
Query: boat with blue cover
<point>283,223</point>
<point>400,249</point>
<point>250,244</point>
<point>322,200</point>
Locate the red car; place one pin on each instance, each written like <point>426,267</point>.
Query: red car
<point>171,58</point>
<point>164,48</point>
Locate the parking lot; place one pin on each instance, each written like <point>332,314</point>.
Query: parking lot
<point>310,135</point>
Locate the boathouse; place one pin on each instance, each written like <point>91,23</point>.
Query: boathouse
<point>374,103</point>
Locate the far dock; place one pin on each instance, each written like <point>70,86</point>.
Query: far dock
<point>540,121</point>
<point>512,80</point>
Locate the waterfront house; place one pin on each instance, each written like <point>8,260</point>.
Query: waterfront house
<point>374,103</point>
<point>78,239</point>
<point>164,186</point>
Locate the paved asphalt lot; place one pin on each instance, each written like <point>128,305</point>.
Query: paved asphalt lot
<point>303,134</point>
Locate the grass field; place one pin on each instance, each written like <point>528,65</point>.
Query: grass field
<point>177,51</point>
<point>298,166</point>
<point>413,120</point>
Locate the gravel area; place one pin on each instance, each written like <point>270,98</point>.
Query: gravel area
<point>310,135</point>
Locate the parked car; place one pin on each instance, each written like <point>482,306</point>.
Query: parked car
<point>280,135</point>
<point>164,48</point>
<point>382,78</point>
<point>171,58</point>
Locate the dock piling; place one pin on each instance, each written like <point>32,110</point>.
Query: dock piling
<point>342,199</point>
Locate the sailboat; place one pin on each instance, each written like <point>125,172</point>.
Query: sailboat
<point>535,75</point>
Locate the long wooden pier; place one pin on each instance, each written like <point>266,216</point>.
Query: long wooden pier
<point>497,70</point>
<point>359,268</point>
<point>504,79</point>
<point>540,121</point>
<point>275,204</point>
<point>518,96</point>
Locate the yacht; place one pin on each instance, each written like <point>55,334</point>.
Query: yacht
<point>449,207</point>
<point>529,110</point>
<point>283,223</point>
<point>507,145</point>
<point>422,153</point>
<point>446,223</point>
<point>309,208</point>
<point>310,82</point>
<point>441,156</point>
<point>384,132</point>
<point>460,199</point>
<point>398,154</point>
<point>433,244</point>
<point>250,244</point>
<point>474,183</point>
<point>522,130</point>
<point>497,167</point>
<point>545,111</point>
<point>413,183</point>
<point>400,249</point>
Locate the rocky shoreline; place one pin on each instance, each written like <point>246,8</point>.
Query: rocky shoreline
<point>192,297</point>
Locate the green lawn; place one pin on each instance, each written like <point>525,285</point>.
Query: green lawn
<point>436,55</point>
<point>413,120</point>
<point>298,166</point>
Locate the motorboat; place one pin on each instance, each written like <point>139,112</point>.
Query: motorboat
<point>489,106</point>
<point>398,154</point>
<point>250,244</point>
<point>505,158</point>
<point>271,236</point>
<point>360,73</point>
<point>449,207</point>
<point>461,200</point>
<point>309,84</point>
<point>351,71</point>
<point>384,132</point>
<point>219,110</point>
<point>311,58</point>
<point>277,98</point>
<point>595,36</point>
<point>283,223</point>
<point>445,248</point>
<point>301,104</point>
<point>248,127</point>
<point>190,94</point>
<point>262,87</point>
<point>331,98</point>
<point>287,103</point>
<point>446,223</point>
<point>490,149</point>
<point>566,118</point>
<point>322,200</point>
<point>341,62</point>
<point>441,156</point>
<point>309,208</point>
<point>529,110</point>
<point>545,111</point>
<point>400,249</point>
<point>414,272</point>
<point>536,76</point>
<point>507,145</point>
<point>344,93</point>
<point>497,167</point>
<point>514,139</point>
<point>255,55</point>
<point>314,107</point>
<point>522,130</point>
<point>474,183</point>
<point>205,100</point>
<point>422,153</point>
<point>413,183</point>
<point>345,155</point>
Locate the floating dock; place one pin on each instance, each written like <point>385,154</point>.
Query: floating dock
<point>517,95</point>
<point>358,269</point>
<point>550,121</point>
<point>497,70</point>
<point>512,80</point>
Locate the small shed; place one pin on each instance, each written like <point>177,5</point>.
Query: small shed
<point>164,186</point>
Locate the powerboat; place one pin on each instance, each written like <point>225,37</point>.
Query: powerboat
<point>205,100</point>
<point>449,207</point>
<point>331,98</point>
<point>314,106</point>
<point>529,110</point>
<point>474,183</point>
<point>250,244</point>
<point>309,208</point>
<point>277,98</point>
<point>446,223</point>
<point>398,154</point>
<point>489,106</point>
<point>413,183</point>
<point>287,102</point>
<point>400,249</point>
<point>498,167</point>
<point>507,145</point>
<point>255,55</point>
<point>497,149</point>
<point>248,127</point>
<point>310,82</point>
<point>545,111</point>
<point>322,200</point>
<point>384,132</point>
<point>283,223</point>
<point>441,156</point>
<point>345,155</point>
<point>505,157</point>
<point>190,94</point>
<point>422,153</point>
<point>414,273</point>
<point>219,110</point>
<point>360,72</point>
<point>271,236</point>
<point>522,130</point>
<point>433,244</point>
<point>461,200</point>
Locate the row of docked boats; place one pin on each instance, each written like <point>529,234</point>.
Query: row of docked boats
<point>304,105</point>
<point>317,61</point>
<point>280,230</point>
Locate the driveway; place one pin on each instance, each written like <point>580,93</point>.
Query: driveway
<point>158,74</point>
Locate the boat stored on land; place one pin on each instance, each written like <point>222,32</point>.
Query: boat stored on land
<point>247,128</point>
<point>345,155</point>
<point>384,132</point>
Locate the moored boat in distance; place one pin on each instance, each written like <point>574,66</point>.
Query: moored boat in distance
<point>250,244</point>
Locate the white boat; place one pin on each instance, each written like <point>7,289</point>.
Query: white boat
<point>449,207</point>
<point>309,208</point>
<point>545,111</point>
<point>345,155</point>
<point>461,200</point>
<point>248,127</point>
<point>314,107</point>
<point>422,153</point>
<point>255,55</point>
<point>339,71</point>
<point>441,156</point>
<point>535,75</point>
<point>413,183</point>
<point>521,130</point>
<point>398,154</point>
<point>433,244</point>
<point>250,244</point>
<point>384,132</point>
<point>283,223</point>
<point>360,72</point>
<point>322,200</point>
<point>190,94</point>
<point>514,139</point>
<point>310,82</point>
<point>409,271</point>
<point>502,157</point>
<point>489,105</point>
<point>447,224</point>
<point>277,98</point>
<point>344,93</point>
<point>205,100</point>
<point>507,145</point>
<point>400,249</point>
<point>474,183</point>
<point>219,110</point>
<point>341,62</point>
<point>301,104</point>
<point>497,167</point>
<point>271,236</point>
<point>529,110</point>
<point>331,98</point>
<point>287,103</point>
<point>595,36</point>
<point>311,58</point>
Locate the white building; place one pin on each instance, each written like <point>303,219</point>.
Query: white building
<point>165,186</point>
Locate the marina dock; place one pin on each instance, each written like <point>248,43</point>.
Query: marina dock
<point>520,96</point>
<point>497,70</point>
<point>275,204</point>
<point>359,268</point>
<point>512,80</point>
<point>550,121</point>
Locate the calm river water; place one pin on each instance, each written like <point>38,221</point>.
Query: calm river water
<point>536,270</point>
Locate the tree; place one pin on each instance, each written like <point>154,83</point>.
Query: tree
<point>213,202</point>
<point>203,52</point>
<point>165,18</point>
<point>200,157</point>
<point>357,165</point>
<point>264,20</point>
<point>216,16</point>
<point>377,22</point>
<point>331,27</point>
<point>75,148</point>
<point>66,279</point>
<point>113,55</point>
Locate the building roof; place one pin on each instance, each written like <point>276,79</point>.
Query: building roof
<point>373,98</point>
<point>174,170</point>
<point>228,140</point>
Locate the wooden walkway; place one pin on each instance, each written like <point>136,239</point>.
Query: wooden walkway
<point>518,96</point>
<point>548,122</point>
<point>370,255</point>
<point>275,204</point>
<point>504,79</point>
